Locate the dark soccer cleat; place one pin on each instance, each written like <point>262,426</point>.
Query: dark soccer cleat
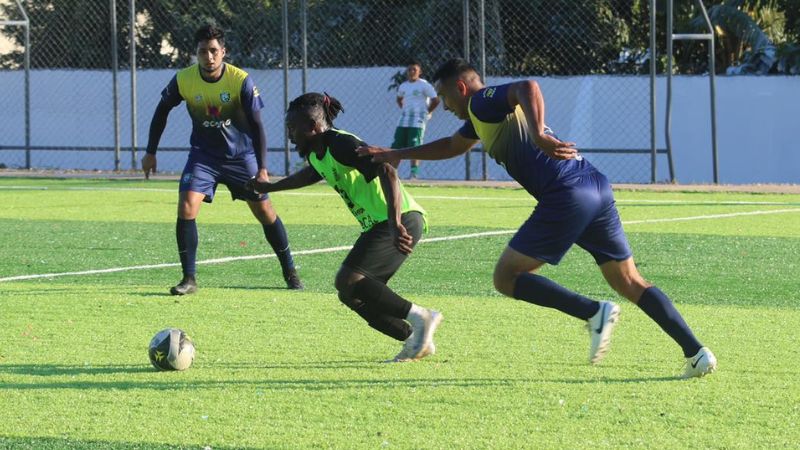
<point>187,286</point>
<point>293,281</point>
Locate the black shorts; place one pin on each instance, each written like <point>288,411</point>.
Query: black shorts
<point>374,254</point>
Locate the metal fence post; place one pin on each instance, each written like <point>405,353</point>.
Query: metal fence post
<point>304,24</point>
<point>133,83</point>
<point>114,64</point>
<point>467,158</point>
<point>653,150</point>
<point>285,13</point>
<point>482,38</point>
<point>27,64</point>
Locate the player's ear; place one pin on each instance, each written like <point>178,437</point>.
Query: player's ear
<point>461,87</point>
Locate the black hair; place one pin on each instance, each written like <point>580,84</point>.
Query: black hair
<point>413,62</point>
<point>453,68</point>
<point>208,32</point>
<point>317,106</point>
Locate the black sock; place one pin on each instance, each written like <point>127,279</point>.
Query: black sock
<point>186,234</point>
<point>276,236</point>
<point>541,291</point>
<point>658,306</point>
<point>380,298</point>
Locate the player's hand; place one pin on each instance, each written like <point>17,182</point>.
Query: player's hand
<point>555,148</point>
<point>149,165</point>
<point>262,175</point>
<point>258,186</point>
<point>402,240</point>
<point>379,154</point>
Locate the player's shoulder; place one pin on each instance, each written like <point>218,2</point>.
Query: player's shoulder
<point>188,72</point>
<point>342,140</point>
<point>235,72</point>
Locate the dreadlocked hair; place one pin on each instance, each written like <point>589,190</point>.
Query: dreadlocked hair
<point>318,107</point>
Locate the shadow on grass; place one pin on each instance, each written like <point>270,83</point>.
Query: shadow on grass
<point>47,443</point>
<point>185,381</point>
<point>58,370</point>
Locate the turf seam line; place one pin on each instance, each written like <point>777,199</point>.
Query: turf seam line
<point>428,197</point>
<point>348,247</point>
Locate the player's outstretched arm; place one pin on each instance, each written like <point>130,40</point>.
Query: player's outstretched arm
<point>444,148</point>
<point>528,96</point>
<point>390,183</point>
<point>302,178</point>
<point>157,125</point>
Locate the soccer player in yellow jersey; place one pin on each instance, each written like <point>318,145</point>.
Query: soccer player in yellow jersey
<point>228,146</point>
<point>391,222</point>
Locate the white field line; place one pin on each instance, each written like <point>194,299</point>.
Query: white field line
<point>348,247</point>
<point>427,197</point>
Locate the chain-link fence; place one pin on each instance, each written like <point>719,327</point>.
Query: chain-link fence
<point>591,58</point>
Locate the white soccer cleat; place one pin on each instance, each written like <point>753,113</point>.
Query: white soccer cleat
<point>431,321</point>
<point>701,364</point>
<point>600,327</point>
<point>409,350</point>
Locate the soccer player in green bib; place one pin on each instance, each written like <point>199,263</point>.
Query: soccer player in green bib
<point>391,222</point>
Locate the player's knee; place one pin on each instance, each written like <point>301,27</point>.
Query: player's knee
<point>187,211</point>
<point>345,281</point>
<point>504,280</point>
<point>348,300</point>
<point>630,287</point>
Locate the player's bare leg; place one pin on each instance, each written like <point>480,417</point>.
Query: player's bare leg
<point>515,276</point>
<point>624,277</point>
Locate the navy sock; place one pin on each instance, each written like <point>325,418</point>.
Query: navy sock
<point>186,234</point>
<point>276,236</point>
<point>380,298</point>
<point>541,291</point>
<point>658,306</point>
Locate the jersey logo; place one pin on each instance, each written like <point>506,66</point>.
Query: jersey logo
<point>256,93</point>
<point>215,113</point>
<point>489,92</point>
<point>198,98</point>
<point>225,97</point>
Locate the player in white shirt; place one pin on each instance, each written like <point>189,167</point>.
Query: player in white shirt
<point>417,99</point>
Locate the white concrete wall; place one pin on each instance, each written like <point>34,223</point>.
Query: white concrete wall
<point>758,120</point>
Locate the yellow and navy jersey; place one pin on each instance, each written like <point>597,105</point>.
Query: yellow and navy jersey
<point>503,131</point>
<point>356,179</point>
<point>221,111</point>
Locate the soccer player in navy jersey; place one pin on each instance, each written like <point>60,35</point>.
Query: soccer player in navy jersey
<point>575,206</point>
<point>228,146</point>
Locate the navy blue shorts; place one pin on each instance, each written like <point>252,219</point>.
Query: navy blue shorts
<point>581,211</point>
<point>202,174</point>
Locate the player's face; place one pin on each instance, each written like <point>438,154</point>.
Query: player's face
<point>413,72</point>
<point>209,55</point>
<point>301,131</point>
<point>453,98</point>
